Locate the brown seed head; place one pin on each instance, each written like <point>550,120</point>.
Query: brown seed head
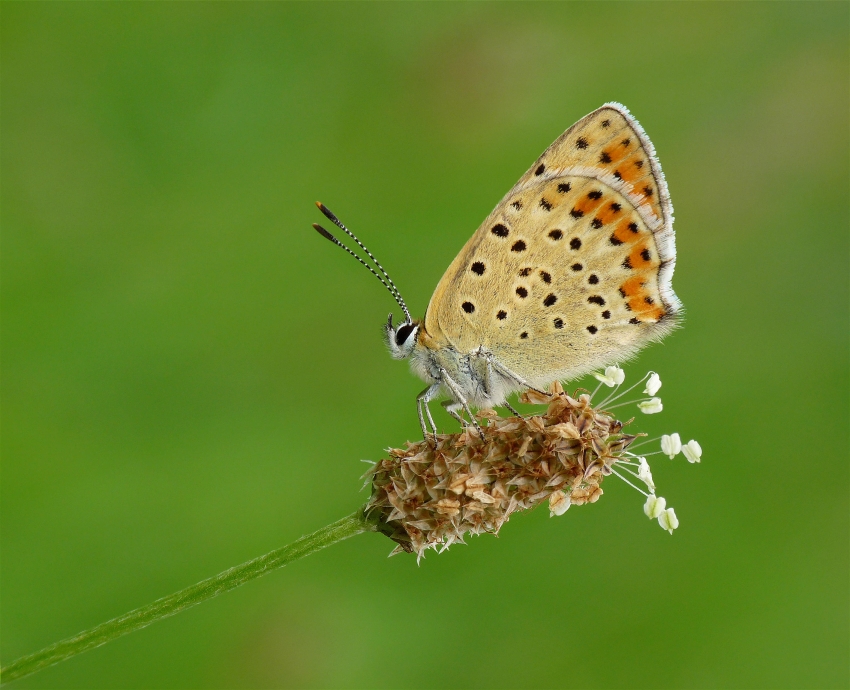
<point>430,496</point>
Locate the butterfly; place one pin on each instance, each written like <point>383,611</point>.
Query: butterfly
<point>571,271</point>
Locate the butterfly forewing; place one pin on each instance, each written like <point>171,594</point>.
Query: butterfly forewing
<point>608,141</point>
<point>572,269</point>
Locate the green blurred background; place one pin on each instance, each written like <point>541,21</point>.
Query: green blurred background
<point>191,376</point>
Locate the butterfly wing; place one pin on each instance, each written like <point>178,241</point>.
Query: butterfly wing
<point>572,270</point>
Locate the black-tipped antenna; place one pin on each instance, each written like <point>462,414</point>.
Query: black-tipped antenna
<point>336,221</point>
<point>394,293</point>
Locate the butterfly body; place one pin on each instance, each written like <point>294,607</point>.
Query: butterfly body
<point>571,271</point>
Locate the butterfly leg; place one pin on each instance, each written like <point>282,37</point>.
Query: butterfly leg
<point>461,399</point>
<point>488,384</point>
<point>516,413</point>
<point>502,369</point>
<point>452,407</point>
<point>422,401</point>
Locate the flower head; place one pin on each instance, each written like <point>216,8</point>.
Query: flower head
<point>433,493</point>
<point>430,496</point>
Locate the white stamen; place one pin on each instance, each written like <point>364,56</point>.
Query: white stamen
<point>668,520</point>
<point>671,445</point>
<point>645,475</point>
<point>596,390</point>
<point>628,482</point>
<point>613,376</point>
<point>632,455</point>
<point>643,442</point>
<point>654,506</point>
<point>653,384</point>
<point>651,406</point>
<point>617,397</point>
<point>692,451</point>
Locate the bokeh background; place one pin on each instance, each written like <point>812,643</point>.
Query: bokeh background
<point>191,376</point>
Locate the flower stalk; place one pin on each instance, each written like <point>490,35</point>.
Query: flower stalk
<point>175,603</point>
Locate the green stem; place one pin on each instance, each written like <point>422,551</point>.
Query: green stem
<point>174,603</point>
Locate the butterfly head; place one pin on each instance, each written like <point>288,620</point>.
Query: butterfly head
<point>400,339</point>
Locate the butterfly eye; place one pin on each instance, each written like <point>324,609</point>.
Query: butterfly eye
<point>403,333</point>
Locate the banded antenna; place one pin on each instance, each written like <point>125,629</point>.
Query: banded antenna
<point>388,283</point>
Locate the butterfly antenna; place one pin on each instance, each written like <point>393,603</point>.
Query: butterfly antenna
<point>393,292</point>
<point>392,287</point>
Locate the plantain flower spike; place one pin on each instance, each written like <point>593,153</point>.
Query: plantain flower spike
<point>433,493</point>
